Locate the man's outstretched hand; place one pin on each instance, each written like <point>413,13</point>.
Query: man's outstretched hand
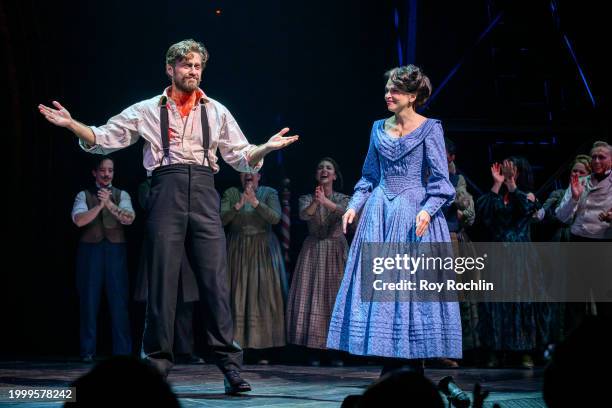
<point>59,117</point>
<point>278,141</point>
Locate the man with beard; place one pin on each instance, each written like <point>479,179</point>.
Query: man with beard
<point>182,129</point>
<point>102,211</point>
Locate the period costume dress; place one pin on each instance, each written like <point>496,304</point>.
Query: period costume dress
<point>401,177</point>
<point>256,269</point>
<point>317,274</point>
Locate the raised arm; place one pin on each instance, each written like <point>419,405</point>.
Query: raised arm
<point>239,153</point>
<point>120,131</point>
<point>276,142</point>
<point>62,118</point>
<point>569,204</point>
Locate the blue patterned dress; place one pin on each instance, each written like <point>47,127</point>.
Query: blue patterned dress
<point>401,176</point>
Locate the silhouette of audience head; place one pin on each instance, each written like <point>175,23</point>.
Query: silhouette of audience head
<point>123,381</point>
<point>400,385</point>
<point>573,377</point>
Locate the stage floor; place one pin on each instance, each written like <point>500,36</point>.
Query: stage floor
<point>281,385</point>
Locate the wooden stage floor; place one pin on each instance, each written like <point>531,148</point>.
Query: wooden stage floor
<point>280,385</point>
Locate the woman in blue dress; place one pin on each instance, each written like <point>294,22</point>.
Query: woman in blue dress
<point>403,187</point>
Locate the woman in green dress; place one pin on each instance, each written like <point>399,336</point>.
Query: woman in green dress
<point>255,264</point>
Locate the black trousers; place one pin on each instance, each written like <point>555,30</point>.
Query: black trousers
<point>183,214</point>
<point>183,327</point>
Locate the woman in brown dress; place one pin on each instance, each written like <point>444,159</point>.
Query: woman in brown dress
<point>320,265</point>
<point>255,265</point>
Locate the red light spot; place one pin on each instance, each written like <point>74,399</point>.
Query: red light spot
<point>218,12</point>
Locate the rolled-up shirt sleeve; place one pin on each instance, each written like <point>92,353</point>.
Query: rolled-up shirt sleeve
<point>126,202</point>
<point>79,206</point>
<point>120,131</point>
<point>234,146</point>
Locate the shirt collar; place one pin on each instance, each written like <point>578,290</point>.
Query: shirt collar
<point>165,97</point>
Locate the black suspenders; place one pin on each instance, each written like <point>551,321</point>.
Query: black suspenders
<point>205,130</point>
<point>164,126</point>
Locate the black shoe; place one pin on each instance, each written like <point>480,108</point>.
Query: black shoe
<point>162,365</point>
<point>234,384</point>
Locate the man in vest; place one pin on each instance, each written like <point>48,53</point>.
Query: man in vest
<point>182,129</point>
<point>101,212</point>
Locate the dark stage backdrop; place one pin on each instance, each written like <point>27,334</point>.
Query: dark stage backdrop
<point>314,66</point>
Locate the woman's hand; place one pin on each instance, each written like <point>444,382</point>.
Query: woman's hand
<point>422,222</point>
<point>250,197</point>
<point>320,195</point>
<point>576,186</point>
<point>238,206</point>
<point>509,171</point>
<point>347,219</point>
<point>498,177</point>
<point>322,199</point>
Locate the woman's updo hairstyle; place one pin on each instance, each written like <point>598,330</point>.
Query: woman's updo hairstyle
<point>411,79</point>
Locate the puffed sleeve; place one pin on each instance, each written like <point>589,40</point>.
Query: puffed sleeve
<point>439,190</point>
